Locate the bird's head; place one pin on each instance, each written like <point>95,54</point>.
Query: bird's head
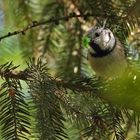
<point>101,40</point>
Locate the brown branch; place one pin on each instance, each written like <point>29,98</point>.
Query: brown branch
<point>21,75</point>
<point>36,24</point>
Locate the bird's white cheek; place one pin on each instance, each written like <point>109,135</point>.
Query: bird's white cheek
<point>106,38</point>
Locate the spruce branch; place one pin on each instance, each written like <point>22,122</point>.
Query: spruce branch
<point>39,23</point>
<point>14,114</point>
<point>47,93</point>
<point>8,71</point>
<point>105,90</point>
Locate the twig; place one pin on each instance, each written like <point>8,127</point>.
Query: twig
<point>21,75</point>
<point>36,24</point>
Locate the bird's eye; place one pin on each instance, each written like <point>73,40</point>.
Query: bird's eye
<point>97,34</point>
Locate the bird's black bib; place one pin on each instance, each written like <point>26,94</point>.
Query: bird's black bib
<point>98,51</point>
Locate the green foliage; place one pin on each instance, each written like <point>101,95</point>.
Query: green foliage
<point>14,114</point>
<point>86,41</point>
<point>65,99</point>
<point>49,115</point>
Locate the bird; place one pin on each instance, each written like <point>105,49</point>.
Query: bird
<point>106,53</point>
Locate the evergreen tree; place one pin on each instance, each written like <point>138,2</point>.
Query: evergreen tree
<point>48,90</point>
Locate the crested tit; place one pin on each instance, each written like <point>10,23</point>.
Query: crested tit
<point>106,54</point>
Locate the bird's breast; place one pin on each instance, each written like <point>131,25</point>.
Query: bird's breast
<point>113,64</point>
